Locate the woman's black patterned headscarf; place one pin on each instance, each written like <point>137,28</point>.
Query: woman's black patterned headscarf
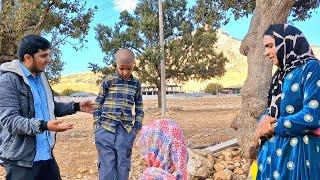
<point>293,50</point>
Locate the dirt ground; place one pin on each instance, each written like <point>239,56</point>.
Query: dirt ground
<point>204,120</point>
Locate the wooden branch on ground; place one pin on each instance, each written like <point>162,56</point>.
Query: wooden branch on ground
<point>222,146</point>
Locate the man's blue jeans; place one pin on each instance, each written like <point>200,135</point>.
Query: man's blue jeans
<point>114,153</point>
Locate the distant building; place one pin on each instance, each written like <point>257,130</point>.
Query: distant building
<point>231,90</point>
<point>153,90</point>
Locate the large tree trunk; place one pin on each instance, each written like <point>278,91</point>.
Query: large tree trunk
<point>255,89</point>
<point>8,48</point>
<point>10,33</point>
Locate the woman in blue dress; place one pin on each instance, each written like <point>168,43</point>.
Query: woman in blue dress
<point>290,145</point>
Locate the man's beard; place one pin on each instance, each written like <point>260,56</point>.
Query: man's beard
<point>34,69</point>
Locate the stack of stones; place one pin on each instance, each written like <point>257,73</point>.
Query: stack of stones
<point>224,165</point>
<point>205,165</point>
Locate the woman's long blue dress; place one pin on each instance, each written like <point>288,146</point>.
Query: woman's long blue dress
<point>293,153</point>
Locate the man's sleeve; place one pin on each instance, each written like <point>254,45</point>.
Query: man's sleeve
<point>10,117</point>
<point>63,109</point>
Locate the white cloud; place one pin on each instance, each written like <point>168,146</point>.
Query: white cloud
<point>129,5</point>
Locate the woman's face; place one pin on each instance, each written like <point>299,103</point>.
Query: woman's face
<point>270,49</point>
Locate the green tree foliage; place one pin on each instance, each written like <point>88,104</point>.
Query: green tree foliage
<point>56,19</point>
<point>55,93</point>
<point>55,67</point>
<point>189,41</point>
<point>301,9</point>
<point>213,88</point>
<point>68,92</point>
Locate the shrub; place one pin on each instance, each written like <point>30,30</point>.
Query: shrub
<point>55,93</point>
<point>213,88</point>
<point>67,92</point>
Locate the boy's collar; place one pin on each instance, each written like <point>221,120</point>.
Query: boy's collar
<point>131,76</point>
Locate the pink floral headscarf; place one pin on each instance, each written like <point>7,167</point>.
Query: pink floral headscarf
<point>163,147</point>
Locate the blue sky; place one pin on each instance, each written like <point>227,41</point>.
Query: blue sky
<point>108,14</point>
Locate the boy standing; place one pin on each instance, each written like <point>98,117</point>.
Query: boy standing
<point>115,125</point>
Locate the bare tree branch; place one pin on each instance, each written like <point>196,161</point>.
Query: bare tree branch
<point>42,18</point>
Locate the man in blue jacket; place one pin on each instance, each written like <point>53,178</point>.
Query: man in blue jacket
<point>28,114</point>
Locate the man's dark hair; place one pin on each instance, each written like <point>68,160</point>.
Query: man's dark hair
<point>31,44</point>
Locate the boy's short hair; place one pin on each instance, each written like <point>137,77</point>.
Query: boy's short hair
<point>124,55</point>
<point>31,44</point>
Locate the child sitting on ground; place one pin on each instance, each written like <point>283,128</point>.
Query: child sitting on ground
<point>164,151</point>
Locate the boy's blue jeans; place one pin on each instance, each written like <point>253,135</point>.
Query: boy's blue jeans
<point>114,153</point>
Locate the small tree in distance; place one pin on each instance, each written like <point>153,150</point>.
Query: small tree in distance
<point>213,88</point>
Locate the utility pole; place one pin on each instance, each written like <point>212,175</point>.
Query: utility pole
<point>162,65</point>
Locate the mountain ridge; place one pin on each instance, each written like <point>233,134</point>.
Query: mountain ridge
<point>236,70</point>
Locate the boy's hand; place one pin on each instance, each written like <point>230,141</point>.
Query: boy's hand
<point>86,106</point>
<point>137,126</point>
<point>58,126</point>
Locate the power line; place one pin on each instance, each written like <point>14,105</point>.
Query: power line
<point>100,19</point>
<point>107,5</point>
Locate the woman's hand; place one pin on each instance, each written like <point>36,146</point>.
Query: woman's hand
<point>264,128</point>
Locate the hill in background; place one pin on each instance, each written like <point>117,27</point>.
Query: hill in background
<point>84,82</point>
<point>236,70</point>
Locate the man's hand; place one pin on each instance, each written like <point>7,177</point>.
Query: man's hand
<point>86,106</point>
<point>58,126</point>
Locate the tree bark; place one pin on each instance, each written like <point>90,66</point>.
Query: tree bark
<point>158,84</point>
<point>8,47</point>
<point>255,89</point>
<point>7,38</point>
